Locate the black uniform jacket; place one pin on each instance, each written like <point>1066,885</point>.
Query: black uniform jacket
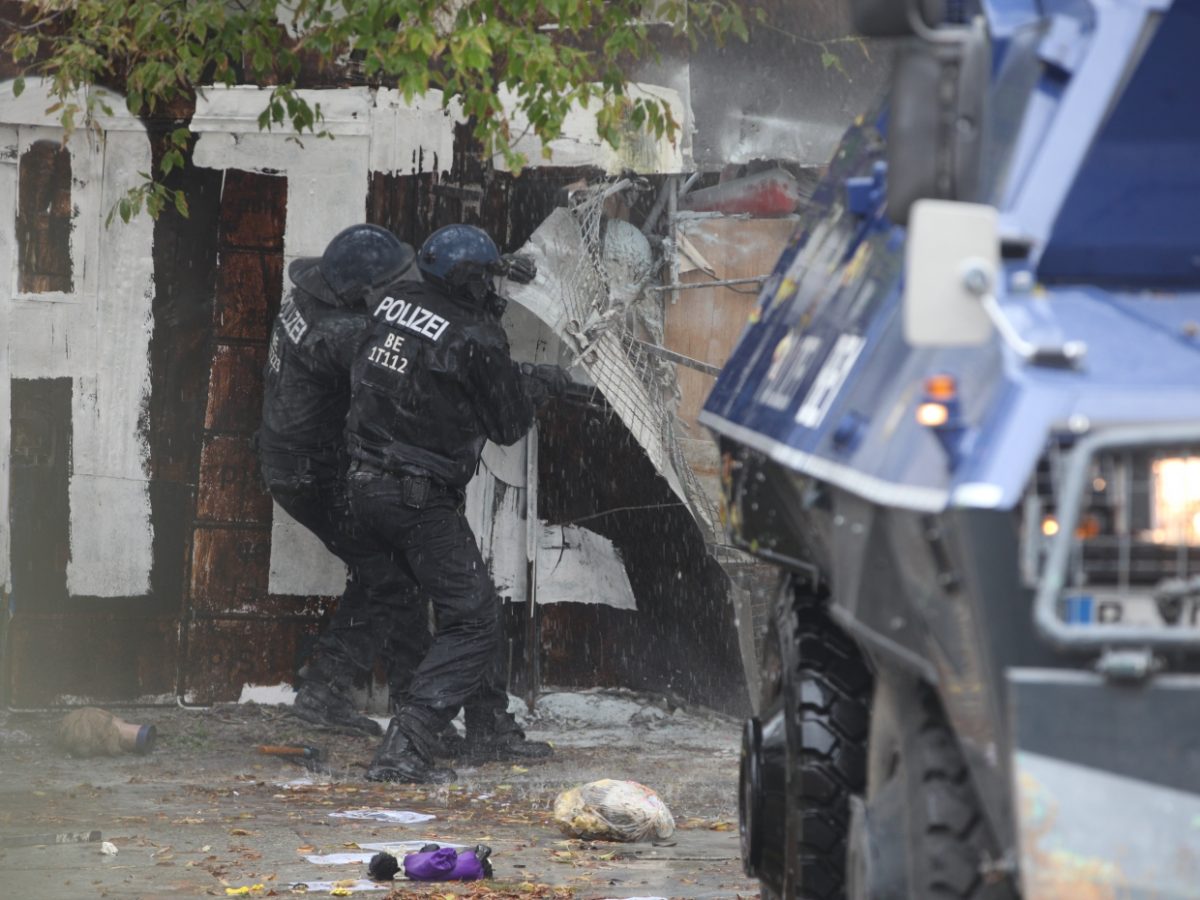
<point>432,382</point>
<point>307,390</point>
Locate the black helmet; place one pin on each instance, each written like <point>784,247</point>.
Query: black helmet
<point>460,259</point>
<point>358,259</point>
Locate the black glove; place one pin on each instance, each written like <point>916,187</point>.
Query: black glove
<point>544,381</point>
<point>382,867</point>
<point>520,269</point>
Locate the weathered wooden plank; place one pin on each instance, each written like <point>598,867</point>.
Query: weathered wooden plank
<point>253,211</point>
<point>235,389</point>
<point>39,505</point>
<point>100,655</point>
<point>249,287</point>
<point>44,219</point>
<point>229,569</point>
<point>227,654</point>
<point>231,489</point>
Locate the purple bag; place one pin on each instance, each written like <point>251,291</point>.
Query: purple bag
<point>447,864</point>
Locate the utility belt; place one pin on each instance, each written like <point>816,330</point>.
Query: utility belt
<point>416,490</point>
<point>319,460</point>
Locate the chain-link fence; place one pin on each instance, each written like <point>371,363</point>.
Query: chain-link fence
<point>599,306</point>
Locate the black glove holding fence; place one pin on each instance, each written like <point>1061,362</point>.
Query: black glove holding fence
<point>520,269</point>
<point>543,381</point>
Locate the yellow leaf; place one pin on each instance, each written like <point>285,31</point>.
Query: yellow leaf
<point>341,892</point>
<point>520,770</point>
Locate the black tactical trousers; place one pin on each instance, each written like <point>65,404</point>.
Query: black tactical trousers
<point>379,604</point>
<point>431,535</point>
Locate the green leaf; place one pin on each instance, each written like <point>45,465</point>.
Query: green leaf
<point>18,85</point>
<point>831,60</point>
<point>172,159</point>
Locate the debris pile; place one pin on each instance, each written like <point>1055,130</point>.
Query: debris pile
<point>614,811</point>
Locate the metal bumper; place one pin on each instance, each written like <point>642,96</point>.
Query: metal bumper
<point>1107,784</point>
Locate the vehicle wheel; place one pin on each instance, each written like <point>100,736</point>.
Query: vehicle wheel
<point>922,831</point>
<point>805,755</point>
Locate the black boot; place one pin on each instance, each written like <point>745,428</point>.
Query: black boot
<point>398,759</point>
<point>448,743</point>
<point>319,704</point>
<point>498,738</point>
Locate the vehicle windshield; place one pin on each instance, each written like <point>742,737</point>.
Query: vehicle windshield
<point>1130,217</point>
<point>1015,82</point>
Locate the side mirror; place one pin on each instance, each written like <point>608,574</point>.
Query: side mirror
<point>951,261</point>
<point>936,118</point>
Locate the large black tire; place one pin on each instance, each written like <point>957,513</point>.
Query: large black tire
<point>817,682</point>
<point>928,836</point>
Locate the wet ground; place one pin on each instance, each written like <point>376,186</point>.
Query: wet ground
<point>207,815</point>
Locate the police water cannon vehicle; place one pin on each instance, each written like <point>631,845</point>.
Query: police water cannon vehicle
<point>964,422</point>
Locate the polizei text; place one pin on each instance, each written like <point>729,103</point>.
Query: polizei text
<point>416,319</point>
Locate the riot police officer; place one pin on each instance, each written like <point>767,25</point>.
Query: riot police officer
<point>430,385</point>
<point>301,446</point>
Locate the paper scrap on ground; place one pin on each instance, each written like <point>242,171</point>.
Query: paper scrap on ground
<point>108,849</point>
<point>337,859</point>
<point>399,848</point>
<point>295,784</point>
<point>395,816</point>
<point>359,884</point>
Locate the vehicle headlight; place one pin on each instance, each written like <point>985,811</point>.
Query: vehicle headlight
<point>1175,509</point>
<point>1138,523</point>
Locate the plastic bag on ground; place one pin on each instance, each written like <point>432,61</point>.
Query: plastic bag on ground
<point>447,864</point>
<point>614,811</point>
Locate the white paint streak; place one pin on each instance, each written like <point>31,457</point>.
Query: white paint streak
<point>407,139</point>
<point>110,537</point>
<point>495,511</point>
<point>97,335</point>
<point>111,456</point>
<point>575,565</point>
<point>273,694</point>
<point>300,564</point>
<point>580,143</point>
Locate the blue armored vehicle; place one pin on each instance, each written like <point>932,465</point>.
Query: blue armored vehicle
<point>964,422</point>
